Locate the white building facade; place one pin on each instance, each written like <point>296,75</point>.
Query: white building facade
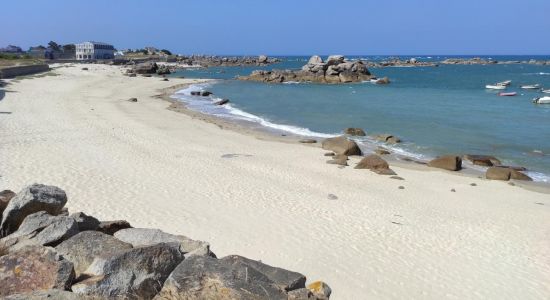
<point>94,50</point>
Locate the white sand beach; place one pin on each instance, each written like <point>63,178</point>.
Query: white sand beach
<point>269,200</point>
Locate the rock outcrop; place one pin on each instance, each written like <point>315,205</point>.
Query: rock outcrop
<point>336,69</point>
<point>355,131</point>
<point>224,61</point>
<point>111,260</point>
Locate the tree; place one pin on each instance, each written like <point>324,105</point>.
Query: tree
<point>53,45</point>
<point>69,47</point>
<point>166,52</point>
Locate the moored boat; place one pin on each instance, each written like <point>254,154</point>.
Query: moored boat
<point>546,91</point>
<point>542,100</point>
<point>530,86</point>
<point>505,83</point>
<point>507,94</point>
<point>495,87</point>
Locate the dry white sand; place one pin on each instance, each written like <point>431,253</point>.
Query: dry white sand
<point>158,168</point>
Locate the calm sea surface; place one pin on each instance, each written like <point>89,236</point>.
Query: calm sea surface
<point>434,110</point>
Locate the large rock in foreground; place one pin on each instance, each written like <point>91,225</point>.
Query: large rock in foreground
<point>482,160</point>
<point>447,162</point>
<point>202,277</point>
<point>34,268</point>
<point>137,273</point>
<point>34,198</point>
<point>83,248</point>
<point>341,145</point>
<point>335,70</point>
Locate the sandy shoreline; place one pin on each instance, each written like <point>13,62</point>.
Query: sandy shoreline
<point>157,168</point>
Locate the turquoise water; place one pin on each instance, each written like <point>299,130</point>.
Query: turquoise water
<point>435,110</point>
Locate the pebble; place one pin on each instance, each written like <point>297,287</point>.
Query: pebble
<point>332,197</point>
<point>401,187</point>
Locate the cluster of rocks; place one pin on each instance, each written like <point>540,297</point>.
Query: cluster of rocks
<point>397,62</point>
<point>149,68</point>
<point>221,61</point>
<point>496,170</point>
<point>206,94</point>
<point>45,253</point>
<point>342,147</point>
<point>336,69</point>
<point>483,61</point>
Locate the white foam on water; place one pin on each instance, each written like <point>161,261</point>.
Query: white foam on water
<point>206,105</point>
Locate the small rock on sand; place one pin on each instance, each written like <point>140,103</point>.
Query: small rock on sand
<point>132,99</point>
<point>453,190</point>
<point>308,141</point>
<point>332,197</point>
<point>401,187</point>
<point>330,154</point>
<point>473,184</point>
<point>397,177</point>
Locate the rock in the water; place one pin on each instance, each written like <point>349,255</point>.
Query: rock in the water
<point>384,80</point>
<point>85,222</point>
<point>341,145</point>
<point>205,93</point>
<point>482,160</point>
<point>84,247</point>
<point>376,164</point>
<point>447,162</point>
<point>320,289</point>
<point>34,198</point>
<point>505,173</point>
<point>137,273</point>
<point>382,151</point>
<point>203,277</point>
<point>222,102</point>
<point>355,131</point>
<point>34,268</point>
<point>262,59</point>
<point>110,227</point>
<point>315,59</point>
<point>335,60</point>
<point>388,138</point>
<point>5,197</point>
<point>146,236</point>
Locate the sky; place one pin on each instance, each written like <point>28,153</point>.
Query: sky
<point>286,27</point>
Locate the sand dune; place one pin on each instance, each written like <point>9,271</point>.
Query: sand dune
<point>269,200</point>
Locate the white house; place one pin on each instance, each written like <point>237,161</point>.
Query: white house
<point>94,50</point>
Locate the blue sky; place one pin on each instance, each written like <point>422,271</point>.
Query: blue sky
<point>287,27</point>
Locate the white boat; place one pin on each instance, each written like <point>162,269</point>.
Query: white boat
<point>546,91</point>
<point>505,83</point>
<point>542,100</point>
<point>495,87</point>
<point>531,86</point>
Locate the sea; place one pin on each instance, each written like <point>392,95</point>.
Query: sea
<point>433,110</point>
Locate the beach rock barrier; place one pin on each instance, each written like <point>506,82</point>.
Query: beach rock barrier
<point>12,72</point>
<point>45,253</point>
<point>336,69</point>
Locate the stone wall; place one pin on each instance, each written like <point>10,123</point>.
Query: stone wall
<point>11,72</point>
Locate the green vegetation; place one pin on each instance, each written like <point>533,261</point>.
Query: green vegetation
<point>167,52</point>
<point>12,56</point>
